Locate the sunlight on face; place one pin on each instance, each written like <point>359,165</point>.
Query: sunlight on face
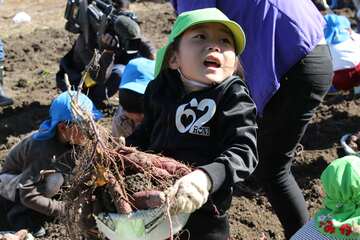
<point>71,133</point>
<point>206,53</point>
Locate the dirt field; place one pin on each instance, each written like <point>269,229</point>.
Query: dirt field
<point>33,52</point>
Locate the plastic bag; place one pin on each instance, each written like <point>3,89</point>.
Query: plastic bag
<point>21,17</point>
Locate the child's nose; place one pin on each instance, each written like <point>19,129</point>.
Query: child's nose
<point>214,47</point>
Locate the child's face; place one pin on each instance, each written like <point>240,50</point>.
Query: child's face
<point>71,133</point>
<point>137,118</point>
<point>206,53</point>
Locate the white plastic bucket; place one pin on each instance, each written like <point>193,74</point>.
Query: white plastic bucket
<point>348,150</point>
<point>140,225</point>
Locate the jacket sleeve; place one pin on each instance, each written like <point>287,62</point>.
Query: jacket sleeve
<point>14,162</point>
<point>140,138</point>
<point>32,197</point>
<point>16,159</point>
<point>237,136</point>
<point>146,49</point>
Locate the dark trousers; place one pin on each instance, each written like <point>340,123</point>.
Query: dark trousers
<point>281,128</point>
<point>206,226</point>
<point>14,216</point>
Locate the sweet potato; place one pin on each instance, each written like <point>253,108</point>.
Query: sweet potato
<point>159,172</point>
<point>146,160</point>
<point>171,166</point>
<point>148,199</point>
<point>118,195</point>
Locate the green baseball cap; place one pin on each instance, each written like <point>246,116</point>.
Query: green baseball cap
<point>206,15</point>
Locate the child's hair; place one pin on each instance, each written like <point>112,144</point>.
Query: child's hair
<point>319,4</point>
<point>121,4</point>
<point>173,47</point>
<point>131,101</point>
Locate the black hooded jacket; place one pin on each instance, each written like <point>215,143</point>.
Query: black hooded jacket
<point>213,129</point>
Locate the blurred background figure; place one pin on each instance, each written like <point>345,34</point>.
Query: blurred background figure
<point>4,100</point>
<point>344,45</point>
<point>353,5</point>
<point>112,41</point>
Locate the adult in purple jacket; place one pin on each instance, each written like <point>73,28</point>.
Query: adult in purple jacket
<point>288,70</point>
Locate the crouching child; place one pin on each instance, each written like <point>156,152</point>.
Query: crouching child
<point>137,74</point>
<point>36,168</point>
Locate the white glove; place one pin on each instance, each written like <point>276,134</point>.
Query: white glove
<point>19,235</point>
<point>190,192</point>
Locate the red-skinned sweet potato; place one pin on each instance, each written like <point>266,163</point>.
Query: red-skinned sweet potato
<point>148,199</point>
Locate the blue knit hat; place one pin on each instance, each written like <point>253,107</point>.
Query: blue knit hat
<point>137,74</point>
<point>336,28</point>
<point>60,110</point>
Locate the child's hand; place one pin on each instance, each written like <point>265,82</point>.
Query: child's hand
<point>190,192</point>
<point>108,42</point>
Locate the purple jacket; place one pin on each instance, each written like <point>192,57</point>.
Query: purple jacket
<point>278,34</point>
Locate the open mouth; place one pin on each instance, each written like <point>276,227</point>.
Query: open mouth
<point>212,62</point>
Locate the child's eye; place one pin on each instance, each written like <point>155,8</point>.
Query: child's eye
<point>199,36</point>
<point>226,40</point>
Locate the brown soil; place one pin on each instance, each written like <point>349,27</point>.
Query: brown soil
<point>33,52</point>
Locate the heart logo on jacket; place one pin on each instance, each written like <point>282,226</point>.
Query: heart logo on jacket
<point>186,119</point>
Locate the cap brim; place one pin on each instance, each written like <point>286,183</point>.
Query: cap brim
<point>134,86</point>
<point>46,130</point>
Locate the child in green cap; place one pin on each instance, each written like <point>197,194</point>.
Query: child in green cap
<point>340,216</point>
<point>198,112</point>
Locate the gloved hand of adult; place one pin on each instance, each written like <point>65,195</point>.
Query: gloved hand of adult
<point>190,192</point>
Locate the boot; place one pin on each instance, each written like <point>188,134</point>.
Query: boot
<point>4,100</point>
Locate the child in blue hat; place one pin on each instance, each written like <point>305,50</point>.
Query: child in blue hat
<point>35,169</point>
<point>344,46</point>
<point>137,74</point>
